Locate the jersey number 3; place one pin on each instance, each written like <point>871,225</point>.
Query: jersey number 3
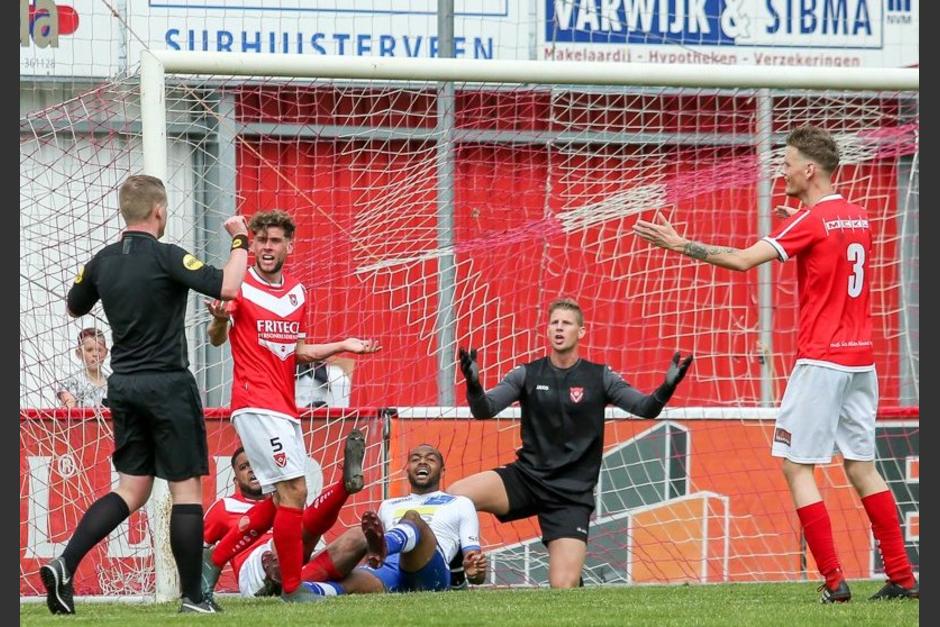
<point>856,255</point>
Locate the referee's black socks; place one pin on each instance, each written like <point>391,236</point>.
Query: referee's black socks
<point>186,544</point>
<point>102,518</point>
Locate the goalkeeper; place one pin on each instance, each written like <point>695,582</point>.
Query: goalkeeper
<point>562,398</point>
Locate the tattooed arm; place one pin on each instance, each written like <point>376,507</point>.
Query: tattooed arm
<point>663,235</point>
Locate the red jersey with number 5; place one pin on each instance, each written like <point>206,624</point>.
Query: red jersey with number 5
<point>266,325</point>
<point>832,245</point>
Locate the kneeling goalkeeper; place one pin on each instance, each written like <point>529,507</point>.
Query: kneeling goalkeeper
<point>562,398</point>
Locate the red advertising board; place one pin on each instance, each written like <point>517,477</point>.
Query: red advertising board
<point>678,500</point>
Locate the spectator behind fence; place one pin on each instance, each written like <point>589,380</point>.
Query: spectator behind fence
<point>87,386</point>
<point>325,383</point>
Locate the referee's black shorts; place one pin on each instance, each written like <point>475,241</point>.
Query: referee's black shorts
<point>558,517</point>
<point>159,425</point>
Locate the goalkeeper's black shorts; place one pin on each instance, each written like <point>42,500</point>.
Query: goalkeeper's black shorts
<point>159,425</point>
<point>558,517</point>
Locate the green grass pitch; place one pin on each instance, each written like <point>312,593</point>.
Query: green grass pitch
<point>740,604</point>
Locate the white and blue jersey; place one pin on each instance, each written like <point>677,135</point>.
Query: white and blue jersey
<point>453,519</point>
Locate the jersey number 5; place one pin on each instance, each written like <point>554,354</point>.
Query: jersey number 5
<point>856,255</point>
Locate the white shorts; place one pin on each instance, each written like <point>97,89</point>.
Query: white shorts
<point>251,575</point>
<point>274,445</point>
<point>824,408</point>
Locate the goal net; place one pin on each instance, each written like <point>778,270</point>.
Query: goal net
<point>436,215</point>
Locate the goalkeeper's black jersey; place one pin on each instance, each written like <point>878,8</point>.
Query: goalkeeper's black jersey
<point>563,420</point>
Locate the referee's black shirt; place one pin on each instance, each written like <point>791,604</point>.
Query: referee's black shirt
<point>143,285</point>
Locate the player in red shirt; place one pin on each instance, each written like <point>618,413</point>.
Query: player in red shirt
<point>227,512</point>
<point>231,514</point>
<point>264,322</point>
<point>832,394</point>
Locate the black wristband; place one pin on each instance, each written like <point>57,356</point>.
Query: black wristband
<point>240,242</point>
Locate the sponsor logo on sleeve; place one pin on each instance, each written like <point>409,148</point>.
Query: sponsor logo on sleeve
<point>191,263</point>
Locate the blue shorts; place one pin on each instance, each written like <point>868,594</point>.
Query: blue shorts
<point>434,576</point>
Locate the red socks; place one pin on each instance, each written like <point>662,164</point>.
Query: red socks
<point>883,513</point>
<point>321,568</point>
<point>818,532</point>
<point>260,519</point>
<point>323,512</point>
<point>288,541</point>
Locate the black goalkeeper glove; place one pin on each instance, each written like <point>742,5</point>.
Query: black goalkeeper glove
<point>677,370</point>
<point>471,372</point>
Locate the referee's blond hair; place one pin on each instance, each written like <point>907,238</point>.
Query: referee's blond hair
<point>139,196</point>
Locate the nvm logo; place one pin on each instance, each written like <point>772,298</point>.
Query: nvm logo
<point>899,12</point>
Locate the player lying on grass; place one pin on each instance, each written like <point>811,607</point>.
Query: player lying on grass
<point>426,530</point>
<point>229,517</point>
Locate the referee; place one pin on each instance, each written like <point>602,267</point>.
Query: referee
<point>159,426</point>
<point>562,398</point>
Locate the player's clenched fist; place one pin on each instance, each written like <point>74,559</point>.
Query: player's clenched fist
<point>471,372</point>
<point>236,225</point>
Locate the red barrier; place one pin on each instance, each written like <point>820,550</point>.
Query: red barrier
<point>679,500</point>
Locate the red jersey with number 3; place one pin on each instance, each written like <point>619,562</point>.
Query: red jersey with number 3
<point>832,245</point>
<point>224,515</point>
<point>266,325</point>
